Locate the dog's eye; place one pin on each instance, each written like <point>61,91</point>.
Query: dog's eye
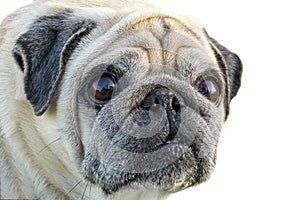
<point>102,89</point>
<point>210,90</point>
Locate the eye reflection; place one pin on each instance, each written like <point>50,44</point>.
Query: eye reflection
<point>102,89</point>
<point>210,90</point>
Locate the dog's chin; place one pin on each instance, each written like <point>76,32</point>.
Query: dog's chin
<point>189,170</point>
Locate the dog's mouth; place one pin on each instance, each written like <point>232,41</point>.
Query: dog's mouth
<point>152,146</point>
<point>188,170</point>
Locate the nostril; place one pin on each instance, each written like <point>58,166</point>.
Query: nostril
<point>156,101</point>
<point>175,103</point>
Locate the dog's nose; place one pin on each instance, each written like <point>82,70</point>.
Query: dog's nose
<point>154,102</point>
<point>162,97</point>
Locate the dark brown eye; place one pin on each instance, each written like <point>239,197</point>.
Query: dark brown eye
<point>102,89</point>
<point>210,90</point>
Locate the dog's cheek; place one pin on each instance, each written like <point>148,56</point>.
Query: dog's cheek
<point>86,121</point>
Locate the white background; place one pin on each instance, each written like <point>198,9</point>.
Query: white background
<point>259,150</point>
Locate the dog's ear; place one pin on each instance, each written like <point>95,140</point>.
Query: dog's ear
<point>232,67</point>
<point>42,53</point>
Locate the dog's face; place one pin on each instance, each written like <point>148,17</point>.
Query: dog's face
<point>140,99</point>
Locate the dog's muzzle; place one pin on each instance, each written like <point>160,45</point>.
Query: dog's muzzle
<point>161,132</point>
<point>158,103</point>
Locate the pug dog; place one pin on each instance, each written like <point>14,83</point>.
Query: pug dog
<point>109,100</point>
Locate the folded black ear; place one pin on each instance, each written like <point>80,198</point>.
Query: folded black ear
<point>233,67</point>
<point>42,53</point>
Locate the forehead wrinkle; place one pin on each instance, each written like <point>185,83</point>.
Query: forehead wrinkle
<point>165,29</point>
<point>144,40</point>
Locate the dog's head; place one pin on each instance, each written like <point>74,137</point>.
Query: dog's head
<point>140,98</point>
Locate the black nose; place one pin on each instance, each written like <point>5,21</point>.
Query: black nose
<point>162,97</point>
<point>155,101</point>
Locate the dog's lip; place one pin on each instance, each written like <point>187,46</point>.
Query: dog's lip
<point>144,162</point>
<point>123,180</point>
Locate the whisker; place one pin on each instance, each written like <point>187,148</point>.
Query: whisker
<point>57,139</point>
<point>90,190</point>
<point>74,187</point>
<point>87,183</point>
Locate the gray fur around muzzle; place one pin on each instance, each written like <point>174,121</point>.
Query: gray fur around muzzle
<point>163,132</point>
